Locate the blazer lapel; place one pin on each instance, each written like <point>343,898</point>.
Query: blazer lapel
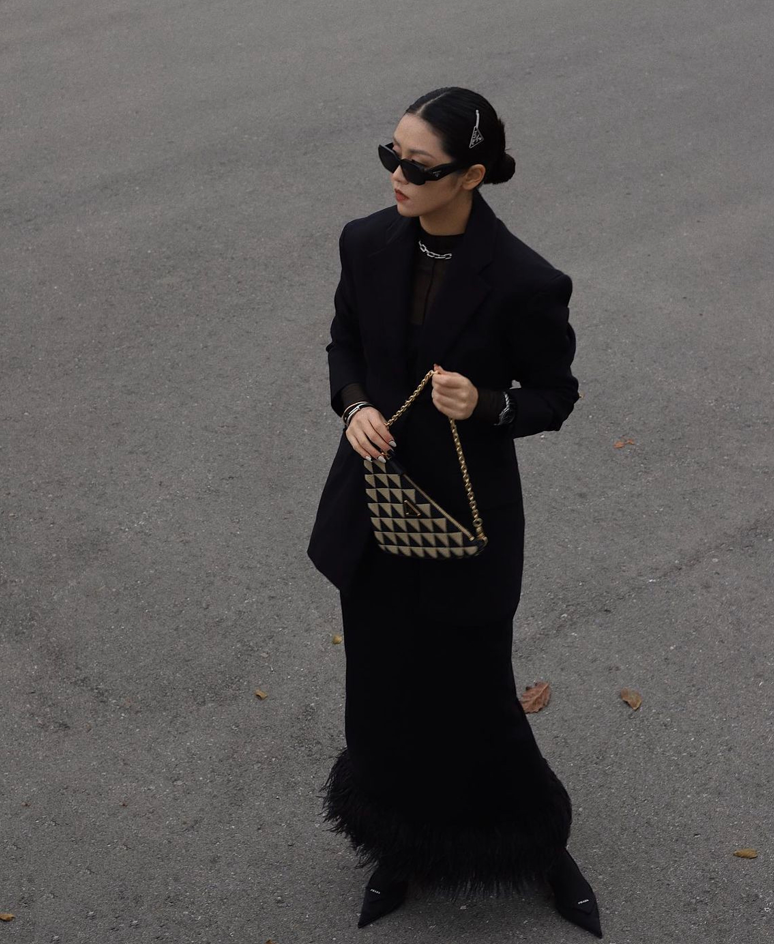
<point>391,268</point>
<point>463,289</point>
<point>462,292</point>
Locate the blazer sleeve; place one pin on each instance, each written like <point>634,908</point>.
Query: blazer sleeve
<point>346,362</point>
<point>542,348</point>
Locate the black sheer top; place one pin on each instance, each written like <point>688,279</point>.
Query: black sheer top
<point>427,278</point>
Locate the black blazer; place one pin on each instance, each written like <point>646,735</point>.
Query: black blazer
<point>501,315</point>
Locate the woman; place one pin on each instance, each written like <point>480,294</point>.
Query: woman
<point>441,784</point>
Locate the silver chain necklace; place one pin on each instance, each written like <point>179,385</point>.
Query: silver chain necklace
<point>434,255</point>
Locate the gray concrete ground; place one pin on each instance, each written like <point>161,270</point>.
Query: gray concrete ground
<point>174,180</point>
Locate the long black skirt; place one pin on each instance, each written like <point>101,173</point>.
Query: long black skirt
<point>441,779</point>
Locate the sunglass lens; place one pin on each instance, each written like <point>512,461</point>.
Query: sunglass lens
<point>413,175</point>
<point>388,158</point>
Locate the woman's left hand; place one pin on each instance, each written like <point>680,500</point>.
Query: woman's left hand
<point>453,394</point>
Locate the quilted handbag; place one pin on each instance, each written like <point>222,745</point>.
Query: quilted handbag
<point>406,520</point>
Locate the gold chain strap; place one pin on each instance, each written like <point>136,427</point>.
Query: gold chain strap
<point>477,523</point>
<point>414,395</point>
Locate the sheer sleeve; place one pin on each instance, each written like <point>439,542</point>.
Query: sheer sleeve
<point>352,393</point>
<point>489,406</point>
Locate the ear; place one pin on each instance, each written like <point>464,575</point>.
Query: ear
<point>473,176</point>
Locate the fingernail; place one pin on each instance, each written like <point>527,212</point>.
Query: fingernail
<point>381,459</point>
<point>393,443</point>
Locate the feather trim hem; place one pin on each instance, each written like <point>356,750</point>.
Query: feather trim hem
<point>495,855</point>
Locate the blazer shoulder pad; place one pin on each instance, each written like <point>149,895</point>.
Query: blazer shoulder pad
<point>535,273</point>
<point>366,233</point>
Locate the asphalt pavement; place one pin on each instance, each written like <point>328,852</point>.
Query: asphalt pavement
<point>174,180</point>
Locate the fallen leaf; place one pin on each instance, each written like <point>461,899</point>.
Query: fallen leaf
<point>5,916</point>
<point>337,639</point>
<point>632,698</point>
<point>261,694</point>
<point>536,697</point>
<point>746,853</point>
<point>620,443</point>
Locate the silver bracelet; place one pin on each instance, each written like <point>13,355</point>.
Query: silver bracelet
<point>351,410</point>
<point>505,413</point>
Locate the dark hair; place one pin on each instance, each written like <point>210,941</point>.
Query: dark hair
<point>451,112</point>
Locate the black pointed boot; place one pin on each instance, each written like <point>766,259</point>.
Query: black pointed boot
<point>575,898</point>
<point>383,894</point>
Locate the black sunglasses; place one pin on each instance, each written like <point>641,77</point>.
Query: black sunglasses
<point>413,172</point>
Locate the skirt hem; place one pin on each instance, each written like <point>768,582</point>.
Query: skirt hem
<point>487,853</point>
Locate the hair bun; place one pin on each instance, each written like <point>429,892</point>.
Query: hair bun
<point>503,169</point>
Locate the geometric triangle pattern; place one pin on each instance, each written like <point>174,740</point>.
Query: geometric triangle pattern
<point>407,522</point>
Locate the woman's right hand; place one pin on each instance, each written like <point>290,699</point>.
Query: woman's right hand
<point>369,435</point>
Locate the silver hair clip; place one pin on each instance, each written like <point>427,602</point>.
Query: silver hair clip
<point>476,137</point>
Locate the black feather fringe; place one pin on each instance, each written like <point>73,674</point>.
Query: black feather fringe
<point>497,855</point>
